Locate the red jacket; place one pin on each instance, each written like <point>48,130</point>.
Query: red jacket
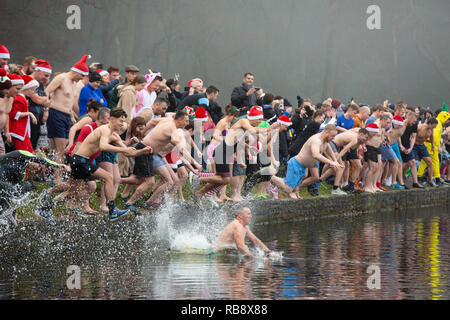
<point>19,128</point>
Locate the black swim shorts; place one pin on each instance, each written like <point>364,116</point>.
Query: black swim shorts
<point>372,154</point>
<point>82,168</point>
<point>143,166</point>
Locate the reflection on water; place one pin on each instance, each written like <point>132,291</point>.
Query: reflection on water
<point>324,259</point>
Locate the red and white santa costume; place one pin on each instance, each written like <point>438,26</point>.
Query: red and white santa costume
<point>19,127</point>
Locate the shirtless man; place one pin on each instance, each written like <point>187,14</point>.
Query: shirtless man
<point>233,146</point>
<point>313,151</point>
<point>104,138</point>
<point>162,139</point>
<point>372,156</point>
<point>425,133</point>
<point>234,235</point>
<point>349,143</point>
<point>153,112</point>
<point>63,94</point>
<point>394,136</point>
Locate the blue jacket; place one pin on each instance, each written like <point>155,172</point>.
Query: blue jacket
<point>86,93</point>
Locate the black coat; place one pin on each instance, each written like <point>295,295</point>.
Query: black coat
<point>311,128</point>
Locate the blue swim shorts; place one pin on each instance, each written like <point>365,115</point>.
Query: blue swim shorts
<point>295,173</point>
<point>58,124</point>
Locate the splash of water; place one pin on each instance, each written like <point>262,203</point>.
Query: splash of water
<point>186,228</point>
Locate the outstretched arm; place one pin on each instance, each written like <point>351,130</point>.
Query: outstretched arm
<point>256,241</point>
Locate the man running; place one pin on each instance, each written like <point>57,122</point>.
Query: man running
<point>107,139</point>
<point>308,158</point>
<point>64,99</point>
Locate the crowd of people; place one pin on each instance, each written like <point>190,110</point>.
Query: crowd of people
<point>147,133</point>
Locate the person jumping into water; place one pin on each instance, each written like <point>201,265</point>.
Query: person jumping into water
<point>235,233</point>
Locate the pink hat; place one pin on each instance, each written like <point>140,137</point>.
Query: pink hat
<point>43,66</point>
<point>15,79</point>
<point>373,127</point>
<point>4,52</point>
<point>201,115</point>
<point>102,72</point>
<point>255,113</point>
<point>81,66</point>
<point>29,82</point>
<point>398,120</point>
<point>285,121</point>
<point>150,78</point>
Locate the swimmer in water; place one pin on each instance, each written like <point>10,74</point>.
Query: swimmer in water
<point>234,235</point>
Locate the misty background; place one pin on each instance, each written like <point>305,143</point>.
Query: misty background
<point>312,48</point>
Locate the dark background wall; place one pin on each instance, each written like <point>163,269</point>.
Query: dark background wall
<point>313,48</point>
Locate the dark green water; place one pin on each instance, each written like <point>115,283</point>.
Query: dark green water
<point>323,259</point>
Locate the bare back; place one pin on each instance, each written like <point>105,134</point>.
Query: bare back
<point>346,138</point>
<point>305,156</point>
<point>160,138</point>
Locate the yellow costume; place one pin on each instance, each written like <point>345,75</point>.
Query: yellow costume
<point>437,133</point>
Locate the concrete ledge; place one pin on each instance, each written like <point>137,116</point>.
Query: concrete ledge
<point>327,206</point>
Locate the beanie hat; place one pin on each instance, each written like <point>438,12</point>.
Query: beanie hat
<point>4,52</point>
<point>15,79</point>
<point>190,112</point>
<point>94,77</point>
<point>336,103</point>
<point>43,66</point>
<point>195,83</point>
<point>81,66</point>
<point>398,120</point>
<point>29,83</point>
<point>256,113</point>
<point>201,115</point>
<point>285,121</point>
<point>102,72</point>
<point>299,100</point>
<point>373,127</point>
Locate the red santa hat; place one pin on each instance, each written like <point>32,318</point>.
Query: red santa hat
<point>15,79</point>
<point>43,66</point>
<point>81,66</point>
<point>256,113</point>
<point>102,72</point>
<point>3,76</point>
<point>398,120</point>
<point>373,127</point>
<point>201,115</point>
<point>4,52</point>
<point>285,121</point>
<point>29,83</point>
<point>195,82</point>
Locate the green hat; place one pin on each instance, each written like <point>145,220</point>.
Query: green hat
<point>445,107</point>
